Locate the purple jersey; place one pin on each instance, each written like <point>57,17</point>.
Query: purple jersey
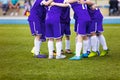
<point>54,12</point>
<point>37,11</point>
<point>82,18</point>
<point>65,21</point>
<point>37,19</point>
<point>53,28</point>
<point>65,15</point>
<point>75,25</point>
<point>95,14</point>
<point>81,11</point>
<point>65,29</point>
<point>97,18</point>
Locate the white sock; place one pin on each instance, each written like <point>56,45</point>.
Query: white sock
<point>94,43</point>
<point>85,46</point>
<point>75,40</point>
<point>78,48</point>
<point>58,48</point>
<point>103,42</point>
<point>61,46</point>
<point>53,47</point>
<point>98,44</point>
<point>89,44</point>
<point>37,45</point>
<point>50,48</point>
<point>67,42</point>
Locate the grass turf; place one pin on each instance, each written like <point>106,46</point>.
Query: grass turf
<point>17,63</point>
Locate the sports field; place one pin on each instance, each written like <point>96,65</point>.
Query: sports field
<point>17,63</point>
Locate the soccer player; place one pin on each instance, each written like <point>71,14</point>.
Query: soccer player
<point>37,26</point>
<point>65,27</point>
<point>83,18</point>
<point>96,30</point>
<point>53,29</point>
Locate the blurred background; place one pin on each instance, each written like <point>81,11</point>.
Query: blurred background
<point>17,11</point>
<point>108,7</point>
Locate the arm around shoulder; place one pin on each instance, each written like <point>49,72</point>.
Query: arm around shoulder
<point>59,4</point>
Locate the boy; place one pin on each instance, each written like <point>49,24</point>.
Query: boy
<point>37,26</point>
<point>65,27</point>
<point>96,30</point>
<point>53,30</point>
<point>83,18</point>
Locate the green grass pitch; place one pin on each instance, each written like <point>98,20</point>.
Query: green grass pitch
<point>17,63</point>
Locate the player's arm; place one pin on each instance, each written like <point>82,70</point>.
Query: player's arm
<point>89,2</point>
<point>59,4</point>
<point>71,1</point>
<point>94,6</point>
<point>46,3</point>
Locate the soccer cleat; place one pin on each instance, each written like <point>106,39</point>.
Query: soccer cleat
<point>88,52</point>
<point>85,55</point>
<point>54,52</point>
<point>32,51</point>
<point>68,51</point>
<point>50,57</point>
<point>62,52</point>
<point>40,56</point>
<point>60,57</point>
<point>98,53</point>
<point>76,58</point>
<point>104,52</point>
<point>92,54</point>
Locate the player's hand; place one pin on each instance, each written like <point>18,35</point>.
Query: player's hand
<point>65,1</point>
<point>43,2</point>
<point>94,7</point>
<point>52,4</point>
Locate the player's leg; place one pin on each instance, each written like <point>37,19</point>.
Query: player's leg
<point>67,40</point>
<point>86,40</point>
<point>93,38</point>
<point>50,36</point>
<point>81,30</point>
<point>36,31</point>
<point>58,49</point>
<point>93,45</point>
<point>89,44</point>
<point>67,45</point>
<point>57,36</point>
<point>62,51</point>
<point>37,46</point>
<point>98,45</point>
<point>78,48</point>
<point>50,48</point>
<point>85,47</point>
<point>102,39</point>
<point>104,45</point>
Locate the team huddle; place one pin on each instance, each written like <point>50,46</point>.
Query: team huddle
<point>50,19</point>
